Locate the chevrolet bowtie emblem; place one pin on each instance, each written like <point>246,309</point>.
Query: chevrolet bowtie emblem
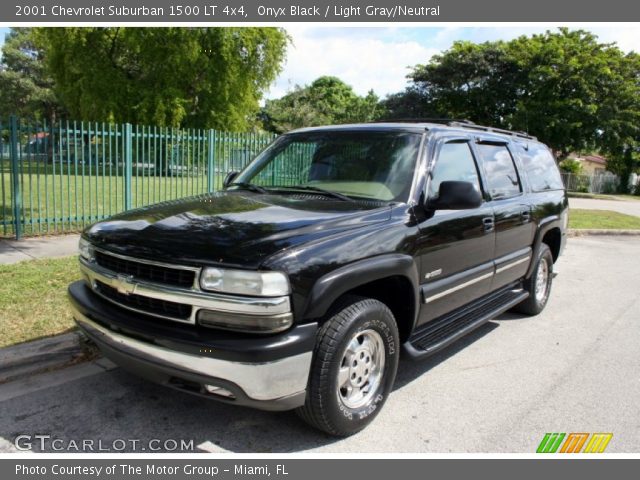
<point>124,284</point>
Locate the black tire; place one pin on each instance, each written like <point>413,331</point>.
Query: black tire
<point>536,301</point>
<point>355,319</point>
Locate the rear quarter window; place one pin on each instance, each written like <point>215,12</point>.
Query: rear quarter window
<point>541,168</point>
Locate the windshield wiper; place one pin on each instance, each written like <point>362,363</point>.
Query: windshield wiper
<point>249,186</point>
<point>312,188</point>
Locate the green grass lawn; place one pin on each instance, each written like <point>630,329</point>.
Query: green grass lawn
<point>602,219</point>
<point>33,299</point>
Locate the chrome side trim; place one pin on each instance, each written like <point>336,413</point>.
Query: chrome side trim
<point>211,301</point>
<point>512,264</point>
<point>260,381</point>
<point>458,287</point>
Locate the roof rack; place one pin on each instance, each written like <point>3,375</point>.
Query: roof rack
<point>493,130</point>
<point>462,123</point>
<point>444,121</point>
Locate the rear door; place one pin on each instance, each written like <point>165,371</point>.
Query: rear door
<point>456,247</point>
<point>514,228</point>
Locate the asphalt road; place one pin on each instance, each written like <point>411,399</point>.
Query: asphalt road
<point>574,368</point>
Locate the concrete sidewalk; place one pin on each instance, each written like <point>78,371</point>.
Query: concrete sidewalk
<point>14,251</point>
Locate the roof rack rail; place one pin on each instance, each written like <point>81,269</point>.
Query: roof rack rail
<point>463,123</point>
<point>493,130</point>
<point>444,121</point>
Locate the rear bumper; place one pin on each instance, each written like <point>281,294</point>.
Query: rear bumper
<point>268,373</point>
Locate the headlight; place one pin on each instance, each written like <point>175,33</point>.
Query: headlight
<point>244,282</point>
<point>85,250</point>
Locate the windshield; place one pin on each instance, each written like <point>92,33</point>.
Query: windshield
<point>372,165</point>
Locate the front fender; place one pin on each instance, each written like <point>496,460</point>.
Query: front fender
<point>336,283</point>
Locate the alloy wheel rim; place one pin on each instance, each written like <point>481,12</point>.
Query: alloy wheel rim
<point>542,280</point>
<point>361,369</point>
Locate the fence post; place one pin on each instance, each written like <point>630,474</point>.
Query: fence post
<point>128,165</point>
<point>211,157</point>
<point>15,176</point>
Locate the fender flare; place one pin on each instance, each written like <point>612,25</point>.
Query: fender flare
<point>336,283</point>
<point>544,226</point>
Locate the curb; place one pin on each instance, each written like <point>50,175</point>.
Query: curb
<point>39,356</point>
<point>572,232</point>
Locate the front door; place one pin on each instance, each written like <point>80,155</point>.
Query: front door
<point>456,247</point>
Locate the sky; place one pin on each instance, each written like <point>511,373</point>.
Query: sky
<point>379,58</point>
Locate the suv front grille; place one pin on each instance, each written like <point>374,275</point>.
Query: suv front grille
<point>148,305</point>
<point>145,271</point>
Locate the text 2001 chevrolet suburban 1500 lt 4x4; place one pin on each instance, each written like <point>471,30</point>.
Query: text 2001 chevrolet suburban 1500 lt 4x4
<point>336,248</point>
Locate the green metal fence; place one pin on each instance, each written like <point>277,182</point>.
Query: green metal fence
<point>59,178</point>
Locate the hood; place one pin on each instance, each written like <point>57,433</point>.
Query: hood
<point>229,228</point>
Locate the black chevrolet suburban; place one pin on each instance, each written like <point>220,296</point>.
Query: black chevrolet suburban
<point>299,284</point>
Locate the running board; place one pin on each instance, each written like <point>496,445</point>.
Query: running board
<point>443,331</point>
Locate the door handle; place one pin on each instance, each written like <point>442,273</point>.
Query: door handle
<point>488,224</point>
<point>526,216</point>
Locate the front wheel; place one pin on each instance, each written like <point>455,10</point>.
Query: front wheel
<point>354,367</point>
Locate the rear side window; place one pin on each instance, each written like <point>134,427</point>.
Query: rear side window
<point>502,178</point>
<point>541,169</point>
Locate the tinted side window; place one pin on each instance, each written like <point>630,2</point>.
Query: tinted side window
<point>502,178</point>
<point>455,163</point>
<point>541,168</point>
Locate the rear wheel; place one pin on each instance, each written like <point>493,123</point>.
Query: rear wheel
<point>354,367</point>
<point>538,284</point>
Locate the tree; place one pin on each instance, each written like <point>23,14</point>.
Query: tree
<point>469,81</point>
<point>621,138</point>
<point>407,104</point>
<point>25,85</point>
<point>571,165</point>
<point>327,100</point>
<point>565,87</point>
<point>204,77</point>
<point>577,93</point>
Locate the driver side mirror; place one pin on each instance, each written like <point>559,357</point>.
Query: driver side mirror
<point>229,178</point>
<point>456,196</point>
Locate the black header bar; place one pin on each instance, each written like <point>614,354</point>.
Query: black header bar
<point>319,11</point>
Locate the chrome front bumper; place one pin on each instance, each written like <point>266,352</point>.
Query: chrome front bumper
<point>275,385</point>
